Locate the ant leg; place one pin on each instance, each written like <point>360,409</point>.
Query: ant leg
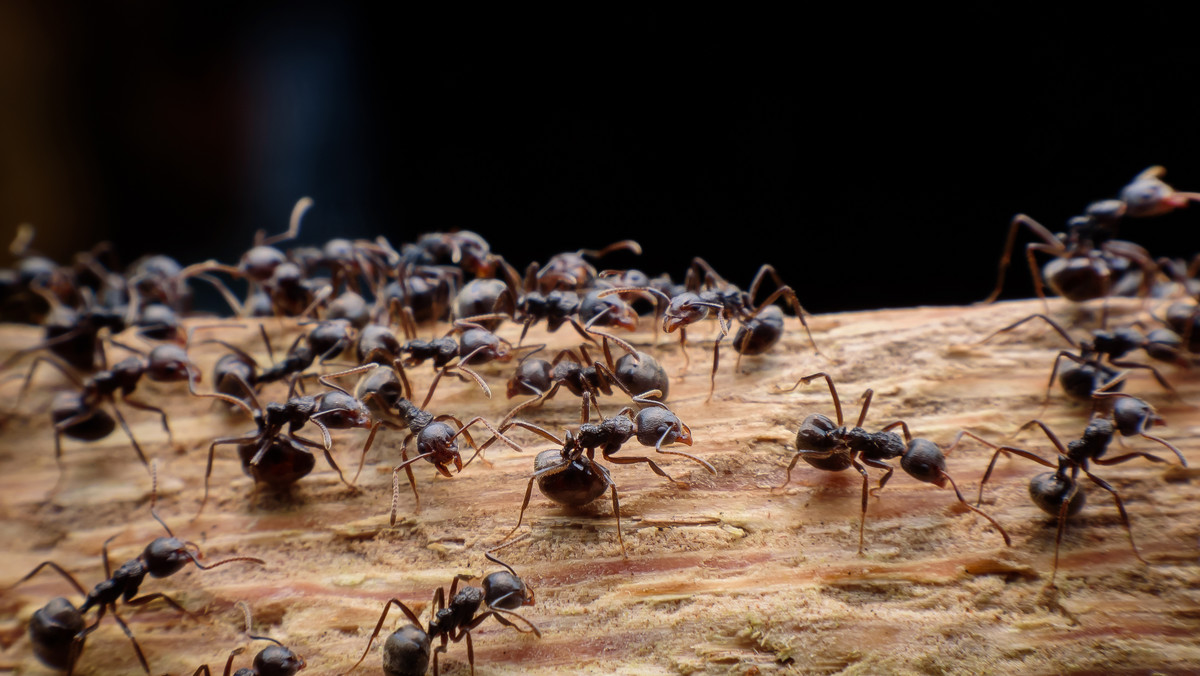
<point>862,521</point>
<point>136,648</point>
<point>995,456</point>
<point>1155,372</point>
<point>862,413</point>
<point>837,403</point>
<point>631,460</point>
<point>616,503</point>
<point>499,614</point>
<point>790,296</point>
<point>129,433</point>
<point>433,386</point>
<point>1036,272</point>
<point>712,377</point>
<point>1062,524</point>
<point>959,495</point>
<point>224,441</point>
<point>53,361</point>
<point>412,617</point>
<point>56,568</point>
<point>406,465</point>
<point>1017,221</point>
<point>1061,331</point>
<point>525,504</point>
<point>1120,508</point>
<point>324,449</point>
<point>366,447</point>
<point>887,475</point>
<point>147,407</point>
<point>143,600</point>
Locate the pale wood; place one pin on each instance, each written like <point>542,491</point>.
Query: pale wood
<point>724,575</point>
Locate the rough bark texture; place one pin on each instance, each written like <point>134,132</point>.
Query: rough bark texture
<point>725,574</point>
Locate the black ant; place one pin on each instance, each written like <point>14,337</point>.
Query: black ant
<point>274,660</point>
<point>569,271</point>
<point>834,448</point>
<point>760,326</point>
<point>279,457</point>
<point>490,296</point>
<point>1092,372</point>
<point>79,415</point>
<point>406,651</point>
<point>570,476</point>
<point>1086,257</point>
<point>1058,493</point>
<point>58,629</point>
<point>435,441</point>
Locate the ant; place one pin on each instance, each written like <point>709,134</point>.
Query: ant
<point>569,271</point>
<point>58,630</point>
<point>237,373</point>
<point>406,651</point>
<point>79,415</point>
<point>760,326</point>
<point>1086,256</point>
<point>435,440</point>
<point>570,475</point>
<point>274,660</point>
<point>1132,417</point>
<point>1058,493</point>
<point>277,457</point>
<point>834,448</point>
<point>1092,372</point>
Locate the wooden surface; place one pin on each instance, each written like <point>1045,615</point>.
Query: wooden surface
<point>725,575</point>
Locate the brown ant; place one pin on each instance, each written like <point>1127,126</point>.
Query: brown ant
<point>1093,372</point>
<point>79,415</point>
<point>58,630</point>
<point>834,448</point>
<point>1058,493</point>
<point>274,660</point>
<point>406,651</point>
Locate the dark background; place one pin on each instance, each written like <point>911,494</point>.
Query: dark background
<point>874,159</point>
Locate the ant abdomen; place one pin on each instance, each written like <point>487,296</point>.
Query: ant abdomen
<point>406,652</point>
<point>642,374</point>
<point>1048,490</point>
<point>761,333</point>
<point>285,462</point>
<point>67,405</point>
<point>52,629</point>
<point>574,486</point>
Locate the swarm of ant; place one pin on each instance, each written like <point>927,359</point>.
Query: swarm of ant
<point>372,319</point>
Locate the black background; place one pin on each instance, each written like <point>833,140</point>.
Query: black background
<point>874,159</point>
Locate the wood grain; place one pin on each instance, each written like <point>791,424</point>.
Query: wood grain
<point>724,575</point>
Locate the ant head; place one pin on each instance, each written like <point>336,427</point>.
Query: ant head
<point>170,363</point>
<point>287,274</point>
<point>1132,416</point>
<point>1149,195</point>
<point>685,308</point>
<point>437,444</point>
<point>166,556</point>
<point>503,589</point>
<point>276,660</point>
<point>924,461</point>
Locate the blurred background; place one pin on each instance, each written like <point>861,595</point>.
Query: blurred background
<point>874,158</point>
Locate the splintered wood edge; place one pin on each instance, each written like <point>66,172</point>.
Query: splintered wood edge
<point>725,573</point>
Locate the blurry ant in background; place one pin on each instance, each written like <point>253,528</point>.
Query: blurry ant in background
<point>406,651</point>
<point>274,660</point>
<point>1058,493</point>
<point>58,632</point>
<point>833,448</point>
<point>1087,259</point>
<point>1092,372</point>
<point>79,414</point>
